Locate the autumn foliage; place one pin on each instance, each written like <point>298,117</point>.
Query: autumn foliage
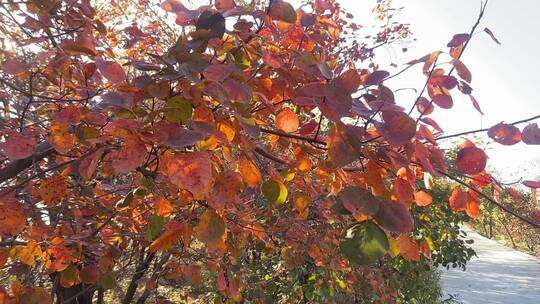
<point>182,141</point>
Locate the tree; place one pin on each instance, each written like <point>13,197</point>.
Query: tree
<point>241,130</point>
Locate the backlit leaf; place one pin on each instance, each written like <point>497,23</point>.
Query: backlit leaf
<point>111,70</point>
<point>287,121</point>
<point>192,171</point>
<point>18,146</point>
<point>531,184</point>
<point>462,70</point>
<point>471,159</point>
<point>364,243</point>
<point>531,134</point>
<point>505,134</point>
<point>490,33</point>
<point>398,128</point>
<point>210,229</point>
<point>178,109</point>
<point>274,191</point>
<point>53,189</point>
<point>69,276</point>
<point>251,175</point>
<point>218,72</point>
<point>458,39</point>
<point>458,199</point>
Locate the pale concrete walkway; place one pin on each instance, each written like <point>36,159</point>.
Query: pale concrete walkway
<point>500,275</point>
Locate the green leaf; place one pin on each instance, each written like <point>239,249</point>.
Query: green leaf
<point>178,109</point>
<point>85,133</point>
<point>274,191</point>
<point>364,243</point>
<point>155,224</point>
<point>126,201</point>
<point>107,281</point>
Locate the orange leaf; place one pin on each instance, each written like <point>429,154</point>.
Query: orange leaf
<point>163,207</point>
<point>287,121</point>
<point>53,189</point>
<point>408,248</point>
<point>192,171</point>
<point>422,198</point>
<point>251,175</point>
<point>174,231</point>
<point>458,199</point>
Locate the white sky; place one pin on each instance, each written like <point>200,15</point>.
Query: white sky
<point>504,76</point>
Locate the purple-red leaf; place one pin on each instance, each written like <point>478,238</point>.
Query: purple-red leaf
<point>490,33</point>
<point>531,134</point>
<point>505,134</point>
<point>458,39</point>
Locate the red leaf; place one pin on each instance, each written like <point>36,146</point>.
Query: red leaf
<point>531,134</point>
<point>18,146</point>
<point>359,202</point>
<point>337,103</point>
<point>398,127</point>
<point>462,70</point>
<point>535,215</point>
<point>531,184</point>
<point>88,165</point>
<point>424,106</point>
<point>223,5</point>
<point>470,159</point>
<point>111,70</point>
<point>458,39</point>
<point>475,104</point>
<point>490,33</point>
<point>394,216</point>
<point>272,60</point>
<point>505,134</point>
<point>481,180</point>
<point>129,157</point>
<point>432,123</point>
<point>402,190</point>
<point>458,199</point>
<point>217,72</point>
<point>13,66</point>
<point>515,194</point>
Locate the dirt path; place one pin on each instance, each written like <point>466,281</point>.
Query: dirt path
<point>500,275</point>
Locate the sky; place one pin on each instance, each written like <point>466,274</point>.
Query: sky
<point>504,76</point>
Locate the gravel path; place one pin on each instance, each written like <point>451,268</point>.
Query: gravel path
<point>500,275</point>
